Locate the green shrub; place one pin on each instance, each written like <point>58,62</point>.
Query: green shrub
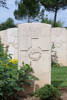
<point>54,64</point>
<point>49,21</point>
<point>48,92</point>
<point>12,80</point>
<point>9,23</point>
<point>54,58</point>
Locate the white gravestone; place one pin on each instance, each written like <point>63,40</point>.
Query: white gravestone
<point>12,41</point>
<point>34,46</point>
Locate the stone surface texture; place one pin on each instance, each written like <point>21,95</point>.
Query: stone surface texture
<point>59,38</point>
<point>31,43</point>
<point>35,48</point>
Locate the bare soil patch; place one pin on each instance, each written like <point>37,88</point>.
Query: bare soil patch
<point>64,93</point>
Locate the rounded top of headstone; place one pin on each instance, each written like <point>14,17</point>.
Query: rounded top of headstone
<point>34,24</point>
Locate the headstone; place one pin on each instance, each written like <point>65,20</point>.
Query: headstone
<point>12,41</point>
<point>3,37</point>
<point>34,47</point>
<point>59,38</point>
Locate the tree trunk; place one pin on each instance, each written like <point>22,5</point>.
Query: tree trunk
<point>28,19</point>
<point>55,17</point>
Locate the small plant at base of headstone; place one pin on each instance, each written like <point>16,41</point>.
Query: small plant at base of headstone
<point>48,92</point>
<point>11,78</point>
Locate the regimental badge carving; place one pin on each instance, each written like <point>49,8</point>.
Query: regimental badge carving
<point>34,54</point>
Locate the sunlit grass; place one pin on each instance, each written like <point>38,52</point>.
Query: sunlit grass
<point>59,76</point>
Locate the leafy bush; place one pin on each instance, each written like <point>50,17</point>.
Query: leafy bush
<point>58,24</point>
<point>8,24</point>
<point>49,21</point>
<point>14,61</point>
<point>54,58</point>
<point>48,92</point>
<point>12,80</point>
<point>46,20</point>
<point>53,54</point>
<point>54,64</point>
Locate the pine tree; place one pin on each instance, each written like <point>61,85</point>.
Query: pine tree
<point>54,5</point>
<point>3,3</point>
<point>27,9</point>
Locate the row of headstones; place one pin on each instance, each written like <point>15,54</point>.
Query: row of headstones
<point>31,43</point>
<point>35,44</point>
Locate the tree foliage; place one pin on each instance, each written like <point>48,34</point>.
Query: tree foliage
<point>49,21</point>
<point>27,9</point>
<point>54,5</point>
<point>3,3</point>
<point>8,24</point>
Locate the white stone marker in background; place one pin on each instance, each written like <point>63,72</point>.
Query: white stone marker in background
<point>3,36</point>
<point>34,46</point>
<point>12,41</point>
<point>59,38</point>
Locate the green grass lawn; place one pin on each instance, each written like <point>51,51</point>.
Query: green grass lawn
<point>59,76</point>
